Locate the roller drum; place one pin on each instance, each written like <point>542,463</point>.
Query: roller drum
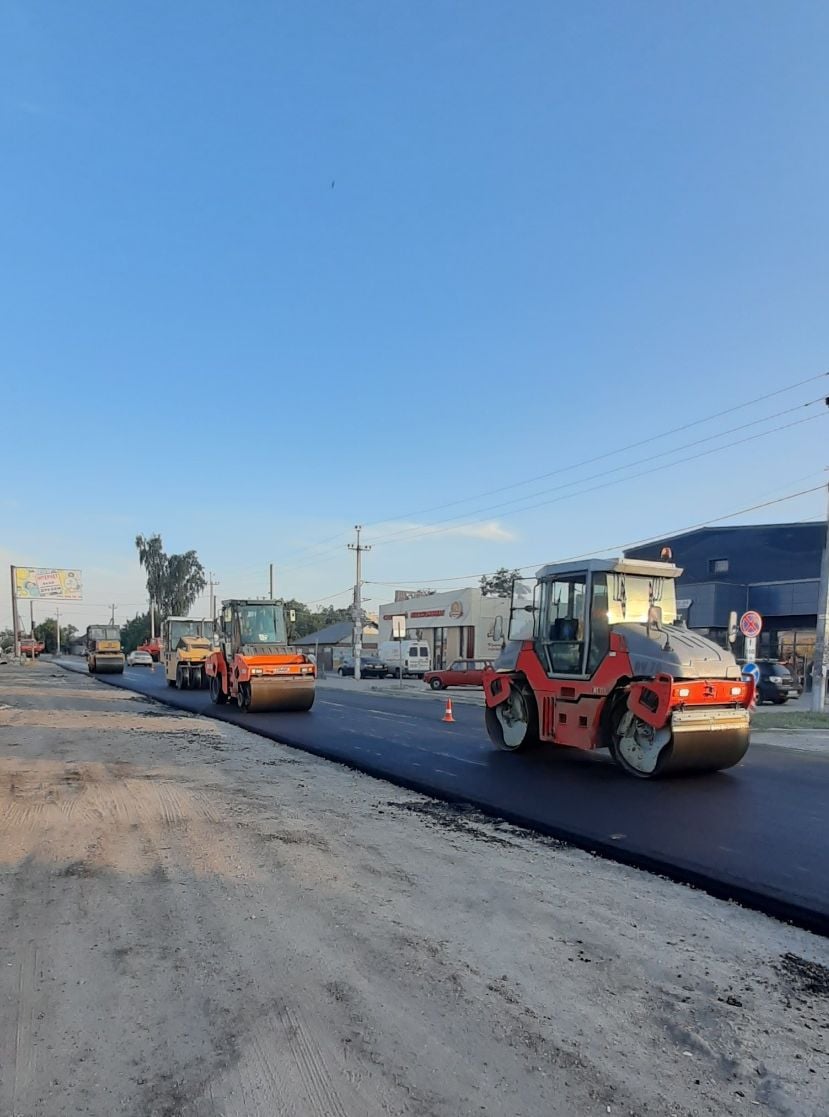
<point>283,694</point>
<point>706,740</point>
<point>109,665</point>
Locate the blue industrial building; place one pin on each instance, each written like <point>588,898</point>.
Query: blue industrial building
<point>773,568</point>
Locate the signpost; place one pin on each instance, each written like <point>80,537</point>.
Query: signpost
<point>398,632</point>
<point>751,625</point>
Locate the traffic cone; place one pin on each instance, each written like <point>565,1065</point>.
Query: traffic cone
<point>448,713</point>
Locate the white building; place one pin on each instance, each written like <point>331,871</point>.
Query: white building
<point>458,624</point>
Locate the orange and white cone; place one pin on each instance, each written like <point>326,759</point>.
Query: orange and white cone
<point>448,713</point>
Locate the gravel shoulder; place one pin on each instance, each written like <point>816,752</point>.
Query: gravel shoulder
<point>198,922</point>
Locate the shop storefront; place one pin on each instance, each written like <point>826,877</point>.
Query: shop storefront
<point>459,624</point>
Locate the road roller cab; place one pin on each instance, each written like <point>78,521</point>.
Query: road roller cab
<point>103,650</point>
<point>598,659</point>
<point>253,663</point>
<point>186,644</point>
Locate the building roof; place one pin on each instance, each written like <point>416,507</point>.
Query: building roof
<point>746,529</point>
<point>331,634</point>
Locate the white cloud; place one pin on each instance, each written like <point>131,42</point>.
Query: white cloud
<point>488,530</point>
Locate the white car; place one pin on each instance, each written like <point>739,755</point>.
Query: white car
<point>139,659</point>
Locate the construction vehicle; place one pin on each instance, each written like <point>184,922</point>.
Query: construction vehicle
<point>597,659</point>
<point>253,664</point>
<point>153,647</point>
<point>103,650</point>
<point>186,644</point>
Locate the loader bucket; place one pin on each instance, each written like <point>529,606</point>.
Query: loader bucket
<point>287,694</point>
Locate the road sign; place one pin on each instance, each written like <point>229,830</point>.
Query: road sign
<point>750,648</point>
<point>753,672</point>
<point>398,628</point>
<point>751,623</point>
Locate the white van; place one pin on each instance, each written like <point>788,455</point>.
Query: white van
<point>416,657</point>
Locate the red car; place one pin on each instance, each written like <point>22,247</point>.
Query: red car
<point>463,672</point>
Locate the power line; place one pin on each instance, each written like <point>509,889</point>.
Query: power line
<point>620,450</point>
<point>615,547</point>
<point>569,468</point>
<point>434,529</point>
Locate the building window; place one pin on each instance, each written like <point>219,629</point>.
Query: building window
<point>718,566</point>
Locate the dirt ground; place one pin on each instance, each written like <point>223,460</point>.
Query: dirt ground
<point>195,921</point>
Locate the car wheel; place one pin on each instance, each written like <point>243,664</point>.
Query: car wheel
<point>436,684</point>
<point>780,701</point>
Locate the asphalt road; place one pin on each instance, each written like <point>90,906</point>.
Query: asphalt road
<point>756,833</point>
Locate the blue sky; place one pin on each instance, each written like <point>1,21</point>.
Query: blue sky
<point>283,268</point>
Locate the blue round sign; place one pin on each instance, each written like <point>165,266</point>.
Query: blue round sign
<point>752,670</point>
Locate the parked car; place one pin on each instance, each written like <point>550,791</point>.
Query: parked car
<point>139,659</point>
<point>463,672</point>
<point>370,667</point>
<point>417,659</point>
<point>777,684</point>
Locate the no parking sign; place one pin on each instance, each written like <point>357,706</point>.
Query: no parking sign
<point>751,623</point>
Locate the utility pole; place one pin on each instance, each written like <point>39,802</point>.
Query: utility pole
<point>57,630</point>
<point>212,583</point>
<point>270,598</point>
<point>820,664</point>
<point>357,611</point>
<point>15,615</point>
<point>112,616</point>
<point>31,619</point>
<point>152,622</point>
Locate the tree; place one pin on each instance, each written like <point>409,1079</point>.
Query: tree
<point>6,639</point>
<point>499,584</point>
<point>135,632</point>
<point>45,632</point>
<point>174,582</point>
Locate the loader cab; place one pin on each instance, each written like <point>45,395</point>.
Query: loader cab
<point>569,613</point>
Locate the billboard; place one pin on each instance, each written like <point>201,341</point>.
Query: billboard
<point>41,582</point>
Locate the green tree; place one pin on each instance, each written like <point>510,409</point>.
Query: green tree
<point>45,631</point>
<point>499,584</point>
<point>174,582</point>
<point>135,632</point>
<point>6,638</point>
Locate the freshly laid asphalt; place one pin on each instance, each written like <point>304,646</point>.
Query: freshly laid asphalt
<point>757,833</point>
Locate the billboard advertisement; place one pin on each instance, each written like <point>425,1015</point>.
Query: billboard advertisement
<point>41,582</point>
